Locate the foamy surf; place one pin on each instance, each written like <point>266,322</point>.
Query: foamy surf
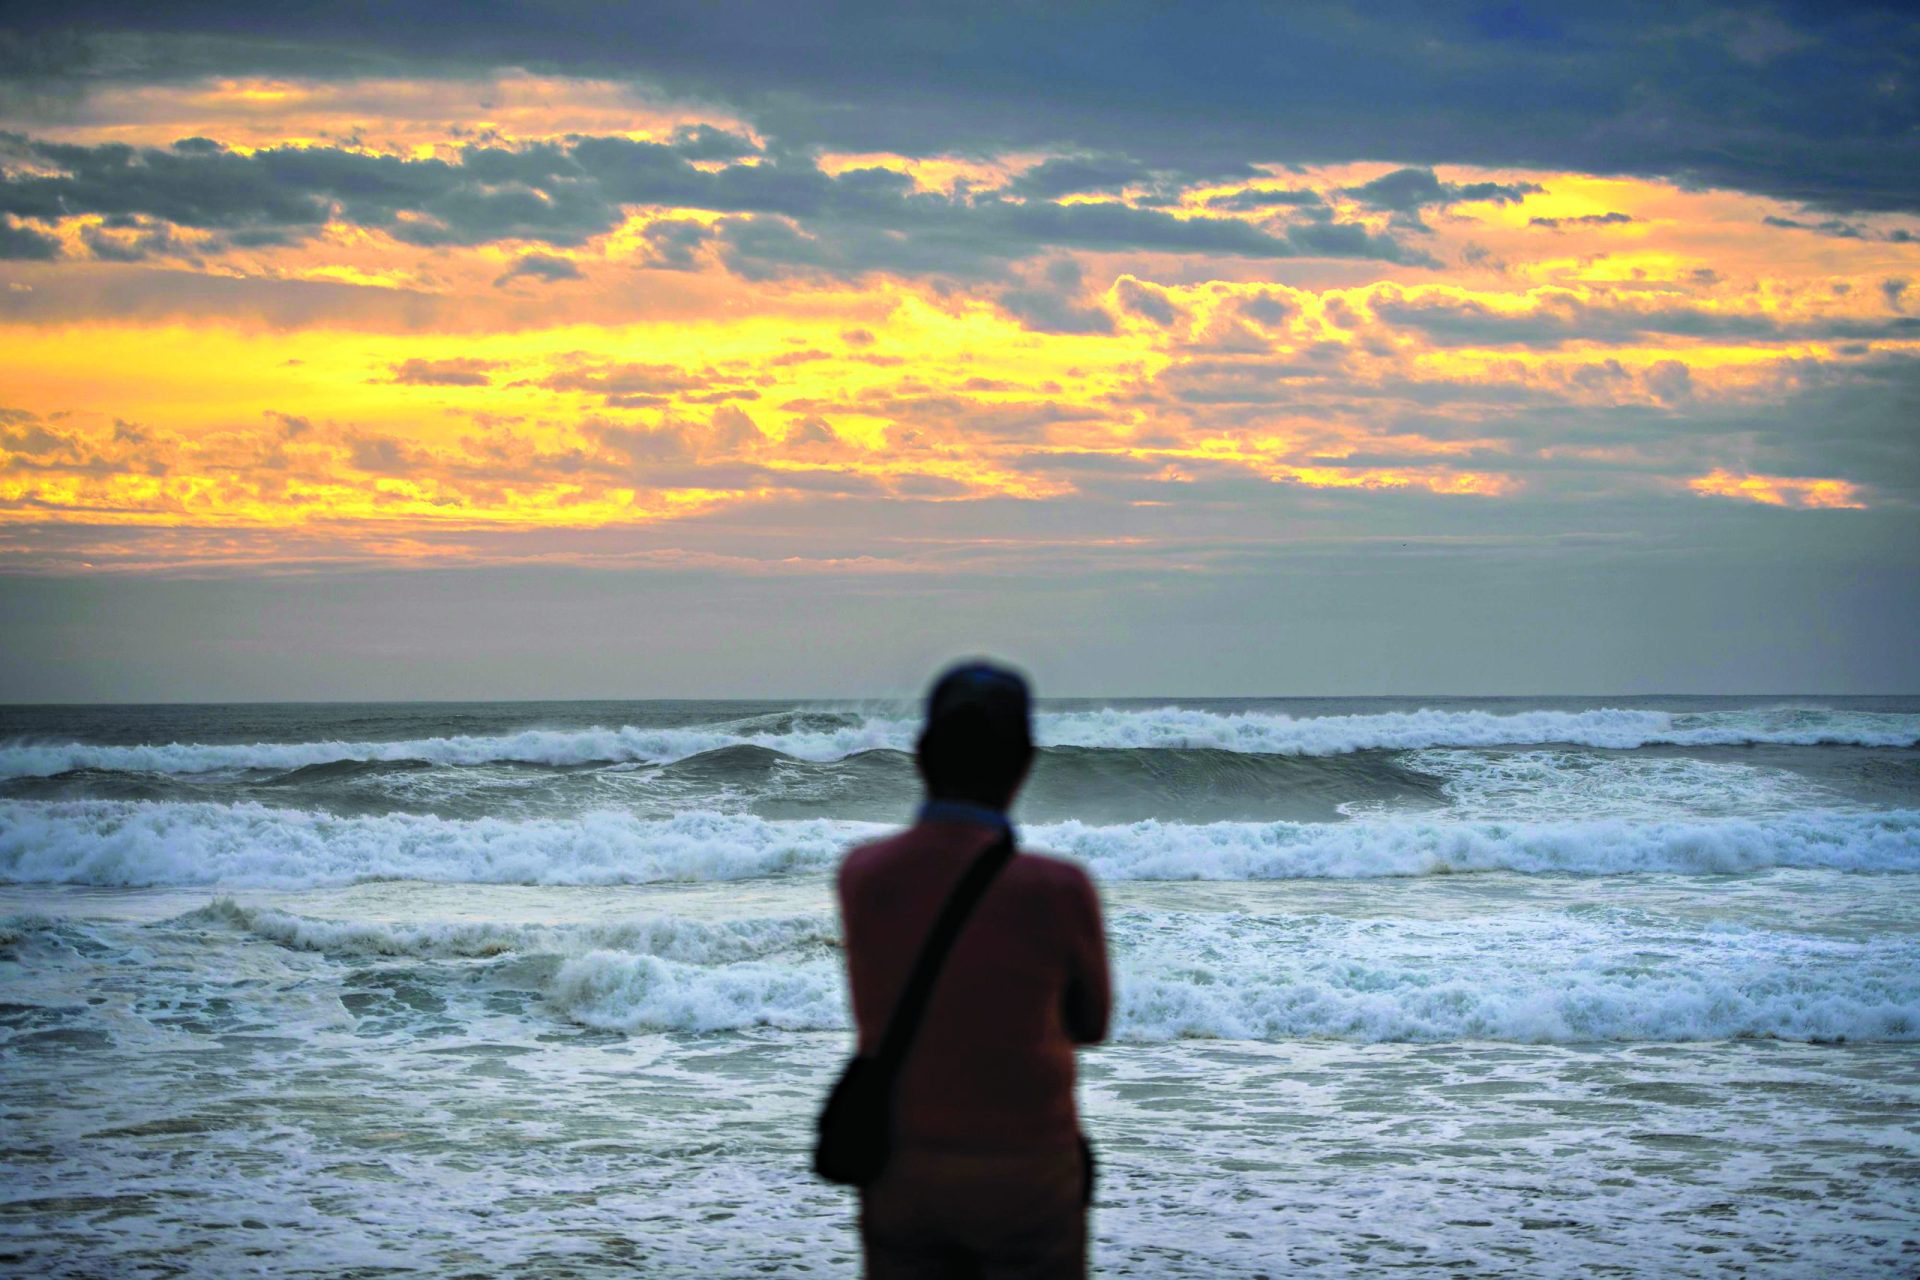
<point>1542,976</point>
<point>1558,944</point>
<point>1524,992</point>
<point>838,735</point>
<point>122,843</point>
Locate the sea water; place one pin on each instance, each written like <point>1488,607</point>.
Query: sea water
<point>1427,987</point>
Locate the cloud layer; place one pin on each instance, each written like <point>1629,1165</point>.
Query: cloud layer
<point>1040,291</point>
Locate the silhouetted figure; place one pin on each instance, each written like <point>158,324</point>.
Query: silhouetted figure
<point>986,1174</point>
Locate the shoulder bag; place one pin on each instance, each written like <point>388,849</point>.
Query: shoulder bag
<point>856,1125</point>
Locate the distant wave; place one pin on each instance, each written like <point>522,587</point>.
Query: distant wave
<point>1557,977</point>
<point>835,736</point>
<point>669,937</point>
<point>1553,979</point>
<point>107,842</point>
<point>621,992</point>
<point>141,843</point>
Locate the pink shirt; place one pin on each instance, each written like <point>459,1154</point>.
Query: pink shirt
<point>992,1068</point>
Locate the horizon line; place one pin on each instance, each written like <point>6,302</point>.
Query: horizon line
<point>915,697</point>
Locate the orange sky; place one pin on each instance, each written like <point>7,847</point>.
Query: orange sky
<point>363,383</point>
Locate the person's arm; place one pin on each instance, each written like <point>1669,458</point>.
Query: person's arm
<point>1089,996</point>
<point>843,890</point>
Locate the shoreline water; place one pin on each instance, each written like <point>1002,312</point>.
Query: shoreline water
<point>1526,1009</point>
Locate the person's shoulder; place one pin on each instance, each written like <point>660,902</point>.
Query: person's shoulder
<point>860,860</point>
<point>1050,872</point>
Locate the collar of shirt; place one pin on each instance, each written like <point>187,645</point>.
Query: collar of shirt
<point>965,811</point>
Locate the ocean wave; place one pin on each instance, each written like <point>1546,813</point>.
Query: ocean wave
<point>1774,1003</point>
<point>1546,980</point>
<point>1607,727</point>
<point>614,991</point>
<point>145,844</point>
<point>558,747</point>
<point>1881,842</point>
<point>836,737</point>
<point>1587,973</point>
<point>1547,784</point>
<point>142,844</point>
<point>668,937</point>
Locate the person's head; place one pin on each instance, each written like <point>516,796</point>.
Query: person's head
<point>978,739</point>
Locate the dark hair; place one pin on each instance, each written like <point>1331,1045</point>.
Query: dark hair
<point>978,741</point>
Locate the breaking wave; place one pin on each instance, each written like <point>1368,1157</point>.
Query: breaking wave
<point>1570,976</point>
<point>669,937</point>
<point>128,843</point>
<point>827,736</point>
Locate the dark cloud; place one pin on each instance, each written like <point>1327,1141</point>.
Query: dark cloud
<point>732,427</point>
<point>1070,176</point>
<point>1842,229</point>
<point>1051,303</point>
<point>459,372</point>
<point>381,455</point>
<point>673,242</point>
<point>18,242</point>
<point>1822,112</point>
<point>187,185</point>
<point>1352,240</point>
<point>1111,225</point>
<point>640,447</point>
<point>1147,301</point>
<point>560,195</point>
<point>788,215</point>
<point>539,266</point>
<point>1670,381</point>
<point>132,240</point>
<point>1865,413</point>
<point>1557,320</point>
<point>1267,198</point>
<point>1584,220</point>
<point>812,429</point>
<point>705,142</point>
<point>1264,309</point>
<point>1048,311</point>
<point>1408,191</point>
<point>616,380</point>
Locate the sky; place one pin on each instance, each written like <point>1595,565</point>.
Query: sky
<point>568,350</point>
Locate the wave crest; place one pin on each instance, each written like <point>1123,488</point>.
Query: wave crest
<point>131,843</point>
<point>836,736</point>
<point>1558,977</point>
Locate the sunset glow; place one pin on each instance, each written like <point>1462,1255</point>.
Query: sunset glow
<point>588,308</point>
<point>1538,322</point>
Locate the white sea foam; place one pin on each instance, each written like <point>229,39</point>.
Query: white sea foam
<point>1358,980</point>
<point>626,744</point>
<point>621,992</point>
<point>669,937</point>
<point>1622,728</point>
<point>140,843</point>
<point>1251,732</point>
<point>145,843</point>
<point>1561,976</point>
<point>1358,850</point>
<point>1556,784</point>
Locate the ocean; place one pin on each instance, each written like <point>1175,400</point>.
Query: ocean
<point>1429,986</point>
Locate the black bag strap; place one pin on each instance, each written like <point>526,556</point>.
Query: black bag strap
<point>912,1005</point>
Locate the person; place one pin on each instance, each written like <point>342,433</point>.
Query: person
<point>988,1175</point>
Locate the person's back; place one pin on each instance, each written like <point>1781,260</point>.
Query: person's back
<point>992,1068</point>
<point>986,1175</point>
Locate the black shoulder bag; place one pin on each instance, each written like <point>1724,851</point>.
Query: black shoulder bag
<point>856,1125</point>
